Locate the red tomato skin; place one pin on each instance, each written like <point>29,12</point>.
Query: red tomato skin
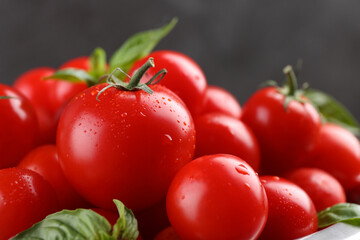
<point>184,77</point>
<point>82,62</point>
<point>217,197</point>
<point>323,189</point>
<point>127,146</point>
<point>26,198</point>
<point>286,137</point>
<point>44,160</point>
<point>292,214</point>
<point>219,133</point>
<point>337,152</point>
<point>167,234</point>
<point>48,97</point>
<point>111,216</point>
<point>18,127</point>
<point>219,100</point>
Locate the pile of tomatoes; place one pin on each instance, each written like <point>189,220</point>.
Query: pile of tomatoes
<point>184,156</point>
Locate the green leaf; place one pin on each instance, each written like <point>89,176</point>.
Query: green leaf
<point>77,224</point>
<point>73,75</point>
<point>344,212</point>
<point>126,226</point>
<point>83,224</point>
<point>332,111</point>
<point>98,63</point>
<point>6,97</point>
<point>138,46</point>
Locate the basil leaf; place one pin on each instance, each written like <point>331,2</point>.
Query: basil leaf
<point>332,111</point>
<point>126,226</point>
<point>98,63</point>
<point>66,224</point>
<point>72,75</point>
<point>138,46</point>
<point>343,212</point>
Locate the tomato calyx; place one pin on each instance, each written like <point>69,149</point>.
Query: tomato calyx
<point>134,83</point>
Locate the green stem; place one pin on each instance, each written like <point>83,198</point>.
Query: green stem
<point>291,80</point>
<point>135,79</point>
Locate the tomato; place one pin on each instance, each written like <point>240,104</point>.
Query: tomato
<point>220,100</point>
<point>286,137</point>
<point>79,63</point>
<point>48,97</point>
<point>18,127</point>
<point>111,216</point>
<point>218,133</point>
<point>26,198</point>
<point>292,214</point>
<point>185,78</point>
<point>323,189</point>
<point>126,146</point>
<point>167,234</point>
<point>44,160</point>
<point>337,152</point>
<point>217,197</point>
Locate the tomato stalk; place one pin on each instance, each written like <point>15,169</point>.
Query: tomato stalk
<point>134,83</point>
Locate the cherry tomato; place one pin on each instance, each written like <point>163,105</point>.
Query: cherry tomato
<point>292,214</point>
<point>286,137</point>
<point>79,63</point>
<point>217,197</point>
<point>126,146</point>
<point>111,216</point>
<point>167,234</point>
<point>220,100</point>
<point>48,97</point>
<point>26,198</point>
<point>44,160</point>
<point>185,77</point>
<point>18,127</point>
<point>337,152</point>
<point>218,133</point>
<point>323,189</point>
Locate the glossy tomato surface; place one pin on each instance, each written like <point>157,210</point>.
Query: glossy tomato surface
<point>126,146</point>
<point>44,160</point>
<point>219,100</point>
<point>219,133</point>
<point>167,234</point>
<point>48,97</point>
<point>286,137</point>
<point>82,62</point>
<point>323,189</point>
<point>185,77</point>
<point>338,152</point>
<point>18,127</point>
<point>26,198</point>
<point>217,197</point>
<point>292,214</point>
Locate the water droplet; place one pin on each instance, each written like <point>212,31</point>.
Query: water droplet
<point>247,186</point>
<point>169,99</point>
<point>80,124</point>
<point>167,139</point>
<point>142,114</point>
<point>241,168</point>
<point>184,123</point>
<point>178,121</point>
<point>276,178</point>
<point>182,197</point>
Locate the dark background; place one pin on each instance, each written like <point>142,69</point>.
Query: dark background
<point>239,44</point>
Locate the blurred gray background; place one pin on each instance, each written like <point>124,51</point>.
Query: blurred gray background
<point>238,44</point>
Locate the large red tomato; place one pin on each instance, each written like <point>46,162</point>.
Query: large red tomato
<point>44,160</point>
<point>338,152</point>
<point>48,97</point>
<point>26,198</point>
<point>185,77</point>
<point>18,127</point>
<point>292,214</point>
<point>286,135</point>
<point>219,100</point>
<point>126,146</point>
<point>323,189</point>
<point>217,197</point>
<point>219,133</point>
